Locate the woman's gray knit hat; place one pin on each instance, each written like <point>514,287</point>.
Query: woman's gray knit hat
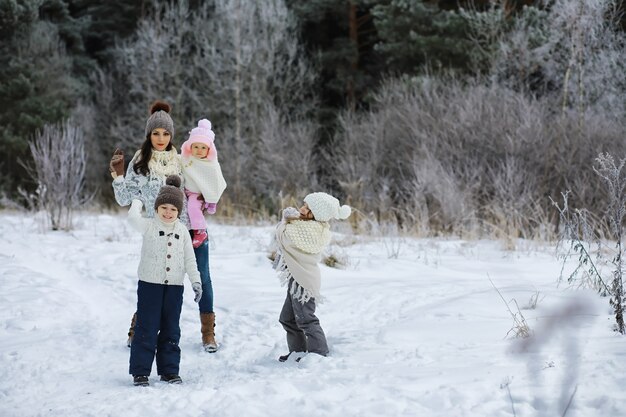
<point>160,117</point>
<point>171,193</point>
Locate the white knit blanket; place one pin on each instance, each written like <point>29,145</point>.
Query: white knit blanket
<point>205,177</point>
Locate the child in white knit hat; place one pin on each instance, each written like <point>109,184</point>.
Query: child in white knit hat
<point>204,182</point>
<point>302,236</point>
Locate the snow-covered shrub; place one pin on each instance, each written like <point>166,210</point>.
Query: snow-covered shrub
<point>579,236</point>
<point>468,157</point>
<point>58,168</point>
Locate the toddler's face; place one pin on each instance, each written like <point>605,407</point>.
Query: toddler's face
<point>199,150</point>
<point>305,212</point>
<point>168,213</point>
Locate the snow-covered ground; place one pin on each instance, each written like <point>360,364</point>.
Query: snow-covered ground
<point>424,334</point>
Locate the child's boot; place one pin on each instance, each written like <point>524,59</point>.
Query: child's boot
<point>207,321</point>
<point>297,356</point>
<point>171,379</point>
<point>199,236</point>
<point>140,381</point>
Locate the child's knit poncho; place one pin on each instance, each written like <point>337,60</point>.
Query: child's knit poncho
<point>204,176</point>
<point>300,245</point>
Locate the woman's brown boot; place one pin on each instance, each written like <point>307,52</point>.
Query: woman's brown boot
<point>207,321</point>
<point>131,330</point>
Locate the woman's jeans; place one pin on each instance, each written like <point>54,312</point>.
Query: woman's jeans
<point>202,260</point>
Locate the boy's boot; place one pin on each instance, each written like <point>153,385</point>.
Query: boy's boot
<point>140,381</point>
<point>131,330</point>
<point>207,321</point>
<point>171,379</point>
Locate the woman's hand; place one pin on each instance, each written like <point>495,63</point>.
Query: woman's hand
<point>116,166</point>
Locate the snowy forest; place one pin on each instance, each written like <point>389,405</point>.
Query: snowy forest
<point>480,145</point>
<point>429,117</point>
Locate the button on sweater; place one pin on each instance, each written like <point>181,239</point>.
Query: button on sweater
<point>166,253</point>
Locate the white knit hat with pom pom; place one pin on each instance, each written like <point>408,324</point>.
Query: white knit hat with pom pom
<point>325,207</point>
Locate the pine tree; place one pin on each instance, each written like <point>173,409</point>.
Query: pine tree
<point>36,82</point>
<point>107,22</point>
<point>342,35</point>
<point>418,34</point>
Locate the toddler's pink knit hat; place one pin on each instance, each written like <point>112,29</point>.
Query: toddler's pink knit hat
<point>201,134</point>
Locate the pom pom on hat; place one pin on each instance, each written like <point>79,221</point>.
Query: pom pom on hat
<point>325,207</point>
<point>201,134</point>
<point>344,212</point>
<point>173,180</point>
<point>171,193</point>
<point>204,124</point>
<point>160,106</point>
<point>159,117</point>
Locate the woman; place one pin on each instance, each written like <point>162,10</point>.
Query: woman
<point>146,174</point>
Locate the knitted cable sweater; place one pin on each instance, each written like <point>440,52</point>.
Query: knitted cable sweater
<point>166,253</point>
<point>146,188</point>
<point>300,246</point>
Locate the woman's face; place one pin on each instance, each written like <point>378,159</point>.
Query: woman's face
<point>160,138</point>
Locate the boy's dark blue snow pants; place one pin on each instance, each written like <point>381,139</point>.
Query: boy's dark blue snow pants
<point>157,329</point>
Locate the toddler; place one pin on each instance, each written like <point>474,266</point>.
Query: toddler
<point>204,182</point>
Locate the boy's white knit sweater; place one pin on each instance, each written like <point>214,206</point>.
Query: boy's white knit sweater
<point>166,253</point>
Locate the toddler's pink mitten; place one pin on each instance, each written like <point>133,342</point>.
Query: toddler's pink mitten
<point>211,208</point>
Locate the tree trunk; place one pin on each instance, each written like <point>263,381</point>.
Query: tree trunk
<point>354,62</point>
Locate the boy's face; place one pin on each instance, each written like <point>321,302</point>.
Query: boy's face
<point>199,150</point>
<point>305,212</point>
<point>168,213</point>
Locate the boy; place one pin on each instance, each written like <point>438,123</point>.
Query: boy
<point>166,255</point>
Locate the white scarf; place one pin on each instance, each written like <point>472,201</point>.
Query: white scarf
<point>205,177</point>
<point>300,245</point>
<point>309,236</point>
<point>164,163</point>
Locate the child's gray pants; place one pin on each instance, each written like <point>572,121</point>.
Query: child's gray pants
<point>304,333</point>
